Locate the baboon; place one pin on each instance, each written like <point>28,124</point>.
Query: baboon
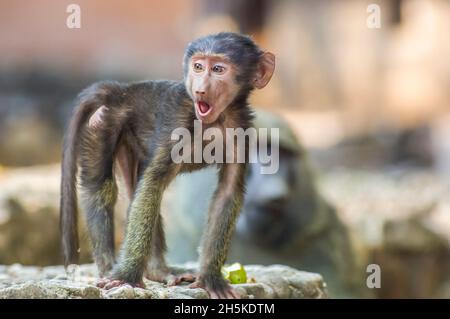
<point>129,127</point>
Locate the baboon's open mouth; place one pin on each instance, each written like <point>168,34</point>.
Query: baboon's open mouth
<point>203,108</point>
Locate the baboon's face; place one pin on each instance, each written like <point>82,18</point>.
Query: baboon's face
<point>221,67</point>
<point>211,82</point>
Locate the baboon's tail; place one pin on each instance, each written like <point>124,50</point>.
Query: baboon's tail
<point>68,201</point>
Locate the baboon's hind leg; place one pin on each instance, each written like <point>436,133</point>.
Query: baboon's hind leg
<point>99,191</point>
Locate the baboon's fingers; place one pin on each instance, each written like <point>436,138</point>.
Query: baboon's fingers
<point>213,295</point>
<point>223,293</point>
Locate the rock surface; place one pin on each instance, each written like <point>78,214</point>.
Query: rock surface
<point>399,220</point>
<point>274,281</point>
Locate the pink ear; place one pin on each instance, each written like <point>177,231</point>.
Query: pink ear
<point>265,71</point>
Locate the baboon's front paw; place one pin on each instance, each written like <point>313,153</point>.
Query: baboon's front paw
<point>217,288</point>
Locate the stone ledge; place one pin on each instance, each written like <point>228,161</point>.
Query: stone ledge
<point>276,281</point>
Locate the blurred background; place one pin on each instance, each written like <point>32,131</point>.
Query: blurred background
<point>370,107</point>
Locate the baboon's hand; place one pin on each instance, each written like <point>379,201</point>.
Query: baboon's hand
<point>216,286</point>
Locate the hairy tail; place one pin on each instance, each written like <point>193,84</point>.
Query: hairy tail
<point>68,201</point>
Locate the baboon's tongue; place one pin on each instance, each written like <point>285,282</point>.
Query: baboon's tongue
<point>203,106</point>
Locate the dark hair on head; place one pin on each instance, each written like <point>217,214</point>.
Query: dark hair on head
<point>240,49</point>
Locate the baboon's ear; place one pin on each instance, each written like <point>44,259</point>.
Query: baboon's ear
<point>265,70</point>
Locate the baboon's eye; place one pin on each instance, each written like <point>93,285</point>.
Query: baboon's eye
<point>198,67</point>
<point>218,69</point>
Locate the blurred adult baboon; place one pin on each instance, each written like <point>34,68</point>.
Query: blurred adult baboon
<point>284,219</point>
